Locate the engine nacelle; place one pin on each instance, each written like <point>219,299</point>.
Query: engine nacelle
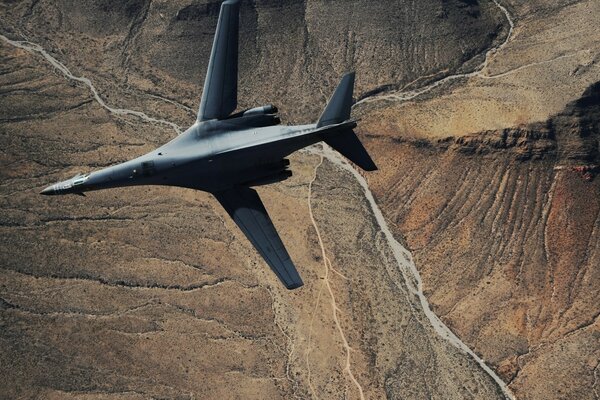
<point>256,120</point>
<point>267,180</point>
<point>268,109</point>
<point>278,166</point>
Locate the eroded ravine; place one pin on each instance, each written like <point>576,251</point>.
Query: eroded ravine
<point>36,48</point>
<point>412,278</point>
<point>478,71</point>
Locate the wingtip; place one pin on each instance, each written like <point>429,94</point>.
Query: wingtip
<point>295,285</point>
<point>349,75</point>
<point>370,166</point>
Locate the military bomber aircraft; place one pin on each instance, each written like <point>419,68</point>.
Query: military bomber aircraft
<point>227,153</point>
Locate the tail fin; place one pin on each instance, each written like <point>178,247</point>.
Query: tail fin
<point>340,104</point>
<point>345,141</point>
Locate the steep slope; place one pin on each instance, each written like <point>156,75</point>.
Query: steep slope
<point>494,190</point>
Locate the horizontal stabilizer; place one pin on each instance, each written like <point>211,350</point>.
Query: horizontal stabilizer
<point>245,207</point>
<point>347,144</point>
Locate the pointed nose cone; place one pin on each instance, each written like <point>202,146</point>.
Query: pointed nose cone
<point>48,191</point>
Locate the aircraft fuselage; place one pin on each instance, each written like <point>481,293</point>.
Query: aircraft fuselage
<point>210,156</point>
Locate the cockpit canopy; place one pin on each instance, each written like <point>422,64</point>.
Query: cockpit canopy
<point>79,179</point>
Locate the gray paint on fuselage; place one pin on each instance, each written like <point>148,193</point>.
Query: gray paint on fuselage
<point>210,156</point>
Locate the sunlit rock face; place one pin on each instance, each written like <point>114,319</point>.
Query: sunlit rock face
<point>494,187</point>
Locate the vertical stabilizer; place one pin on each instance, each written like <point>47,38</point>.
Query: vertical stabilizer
<point>219,97</point>
<point>339,106</point>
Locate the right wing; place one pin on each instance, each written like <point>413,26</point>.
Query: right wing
<point>248,212</point>
<point>219,97</point>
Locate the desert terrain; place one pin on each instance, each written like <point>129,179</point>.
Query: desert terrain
<point>467,267</point>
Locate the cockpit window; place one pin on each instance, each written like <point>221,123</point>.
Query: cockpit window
<point>80,179</point>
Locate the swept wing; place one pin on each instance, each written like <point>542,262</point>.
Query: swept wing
<point>247,210</point>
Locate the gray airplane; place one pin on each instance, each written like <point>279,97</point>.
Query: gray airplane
<point>226,153</point>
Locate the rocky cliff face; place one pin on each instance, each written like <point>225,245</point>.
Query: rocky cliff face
<point>487,139</point>
<point>505,228</point>
<point>496,195</point>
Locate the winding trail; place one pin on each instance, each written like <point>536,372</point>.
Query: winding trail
<point>533,64</point>
<point>402,257</point>
<point>36,48</point>
<point>334,307</point>
<point>318,301</point>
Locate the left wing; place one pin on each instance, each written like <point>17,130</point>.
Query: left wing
<point>219,97</point>
<point>248,212</point>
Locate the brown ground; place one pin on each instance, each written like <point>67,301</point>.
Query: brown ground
<point>485,191</point>
<point>153,292</point>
